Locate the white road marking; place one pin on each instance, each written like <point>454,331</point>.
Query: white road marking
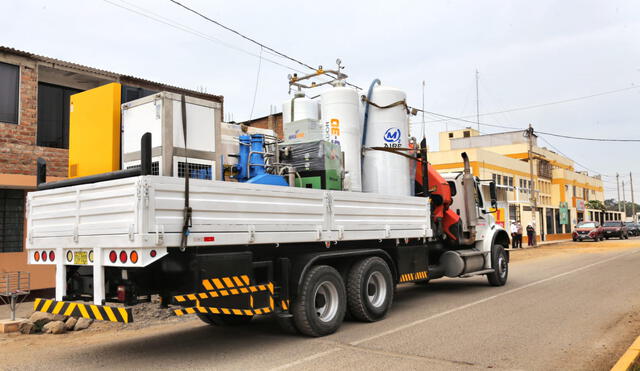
<point>453,310</point>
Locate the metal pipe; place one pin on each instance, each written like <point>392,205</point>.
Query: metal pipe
<point>145,154</point>
<point>471,211</point>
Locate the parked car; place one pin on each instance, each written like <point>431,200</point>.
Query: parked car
<point>615,229</point>
<point>588,230</point>
<point>634,229</point>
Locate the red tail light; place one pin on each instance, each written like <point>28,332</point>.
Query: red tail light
<point>123,256</point>
<point>122,293</point>
<point>52,256</point>
<point>113,256</point>
<point>44,256</point>
<point>153,253</point>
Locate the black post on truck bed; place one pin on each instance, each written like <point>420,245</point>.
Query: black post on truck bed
<point>144,169</point>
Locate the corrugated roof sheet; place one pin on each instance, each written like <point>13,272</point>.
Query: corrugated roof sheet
<point>112,75</point>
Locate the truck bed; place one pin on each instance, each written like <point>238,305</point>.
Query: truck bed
<point>147,211</point>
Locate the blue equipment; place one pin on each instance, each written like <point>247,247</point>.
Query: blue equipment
<point>251,167</point>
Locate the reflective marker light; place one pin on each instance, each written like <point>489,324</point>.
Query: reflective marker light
<point>123,256</point>
<point>113,256</point>
<point>36,256</point>
<point>153,253</point>
<point>69,256</point>
<point>52,256</point>
<point>133,257</point>
<point>44,256</point>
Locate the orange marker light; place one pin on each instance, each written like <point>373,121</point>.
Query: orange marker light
<point>133,257</point>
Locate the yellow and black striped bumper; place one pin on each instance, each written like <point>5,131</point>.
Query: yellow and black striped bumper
<point>98,312</point>
<point>417,276</point>
<point>260,299</point>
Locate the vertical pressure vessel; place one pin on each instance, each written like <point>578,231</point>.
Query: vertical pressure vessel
<point>340,112</point>
<point>303,108</point>
<point>385,172</point>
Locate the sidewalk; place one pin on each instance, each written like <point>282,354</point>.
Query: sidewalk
<point>540,244</point>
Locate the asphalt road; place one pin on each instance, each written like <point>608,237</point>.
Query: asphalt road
<point>563,308</point>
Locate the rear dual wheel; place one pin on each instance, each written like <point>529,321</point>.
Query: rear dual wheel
<point>370,289</point>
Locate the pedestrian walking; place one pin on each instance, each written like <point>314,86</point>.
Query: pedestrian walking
<point>530,234</point>
<point>519,234</point>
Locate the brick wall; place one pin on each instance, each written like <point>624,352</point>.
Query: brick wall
<point>18,150</point>
<point>272,122</point>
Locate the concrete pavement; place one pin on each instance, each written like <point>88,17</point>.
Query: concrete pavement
<point>573,308</point>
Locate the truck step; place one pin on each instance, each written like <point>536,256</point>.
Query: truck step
<point>477,273</point>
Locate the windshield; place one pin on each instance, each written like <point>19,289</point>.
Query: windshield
<point>586,225</point>
<point>612,224</point>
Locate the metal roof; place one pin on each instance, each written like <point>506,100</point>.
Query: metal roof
<point>127,79</point>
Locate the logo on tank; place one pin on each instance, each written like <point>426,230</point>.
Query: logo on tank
<point>392,138</point>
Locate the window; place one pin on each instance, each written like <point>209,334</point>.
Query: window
<point>130,93</point>
<point>196,171</point>
<point>466,133</point>
<point>549,220</point>
<point>450,135</point>
<point>510,181</point>
<point>53,115</point>
<point>9,93</point>
<point>11,220</point>
<point>494,177</point>
<point>499,179</point>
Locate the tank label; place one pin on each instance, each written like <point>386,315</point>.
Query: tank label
<point>334,131</point>
<point>393,138</point>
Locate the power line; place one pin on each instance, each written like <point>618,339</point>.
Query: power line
<point>576,162</point>
<point>242,35</point>
<point>533,106</point>
<point>590,139</point>
<point>171,23</point>
<point>255,91</point>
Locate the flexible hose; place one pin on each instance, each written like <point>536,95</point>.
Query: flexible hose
<point>366,110</point>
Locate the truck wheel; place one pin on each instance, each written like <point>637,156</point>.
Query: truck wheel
<point>322,302</point>
<point>369,289</point>
<point>224,319</point>
<point>500,265</point>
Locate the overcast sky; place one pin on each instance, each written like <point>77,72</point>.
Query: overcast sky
<point>527,53</point>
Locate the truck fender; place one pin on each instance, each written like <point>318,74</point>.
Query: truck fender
<point>497,235</point>
<point>303,263</point>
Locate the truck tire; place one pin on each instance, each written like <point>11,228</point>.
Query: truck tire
<point>321,303</point>
<point>224,319</point>
<point>287,324</point>
<point>369,289</point>
<point>500,264</point>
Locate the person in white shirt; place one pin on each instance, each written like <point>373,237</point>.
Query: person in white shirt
<point>514,234</point>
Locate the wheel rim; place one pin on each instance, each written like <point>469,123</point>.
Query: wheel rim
<point>326,301</point>
<point>502,266</point>
<point>376,289</point>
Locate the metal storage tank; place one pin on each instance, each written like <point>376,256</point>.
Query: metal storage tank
<point>385,172</point>
<point>303,108</point>
<point>340,110</point>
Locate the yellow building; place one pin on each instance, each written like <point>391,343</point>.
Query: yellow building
<point>504,158</point>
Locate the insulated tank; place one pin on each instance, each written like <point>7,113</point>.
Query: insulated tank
<point>385,172</point>
<point>340,110</point>
<point>303,108</point>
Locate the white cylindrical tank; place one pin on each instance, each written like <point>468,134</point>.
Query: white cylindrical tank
<point>303,108</point>
<point>385,172</point>
<point>340,110</point>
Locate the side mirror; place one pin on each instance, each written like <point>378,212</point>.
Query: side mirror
<point>493,193</point>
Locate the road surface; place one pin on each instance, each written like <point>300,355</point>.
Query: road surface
<point>568,306</point>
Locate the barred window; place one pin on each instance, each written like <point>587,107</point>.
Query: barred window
<point>11,220</point>
<point>196,171</point>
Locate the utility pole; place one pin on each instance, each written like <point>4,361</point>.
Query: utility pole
<point>424,129</point>
<point>532,196</point>
<point>477,100</point>
<point>633,201</point>
<point>624,202</point>
<point>618,188</point>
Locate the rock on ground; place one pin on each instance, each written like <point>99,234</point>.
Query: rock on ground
<point>40,318</point>
<point>27,327</point>
<point>82,324</point>
<point>70,324</point>
<point>54,327</point>
<point>59,317</point>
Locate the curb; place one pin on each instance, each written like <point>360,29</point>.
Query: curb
<point>629,357</point>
